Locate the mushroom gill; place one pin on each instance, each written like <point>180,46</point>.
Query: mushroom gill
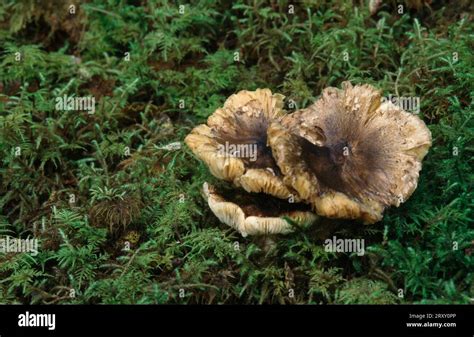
<point>233,143</point>
<point>349,154</point>
<point>254,214</point>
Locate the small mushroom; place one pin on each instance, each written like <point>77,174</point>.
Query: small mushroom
<point>253,214</point>
<point>233,143</point>
<point>349,154</point>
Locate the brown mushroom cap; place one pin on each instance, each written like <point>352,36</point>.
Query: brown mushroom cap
<point>254,214</point>
<point>243,120</point>
<point>348,154</point>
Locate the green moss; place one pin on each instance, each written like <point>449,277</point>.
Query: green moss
<point>125,184</point>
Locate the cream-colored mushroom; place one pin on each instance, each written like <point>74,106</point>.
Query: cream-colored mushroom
<point>233,143</point>
<point>245,212</point>
<point>350,155</point>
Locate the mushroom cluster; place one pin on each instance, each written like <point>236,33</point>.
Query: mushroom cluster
<point>350,155</point>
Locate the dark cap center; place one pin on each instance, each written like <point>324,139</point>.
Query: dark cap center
<point>339,152</point>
